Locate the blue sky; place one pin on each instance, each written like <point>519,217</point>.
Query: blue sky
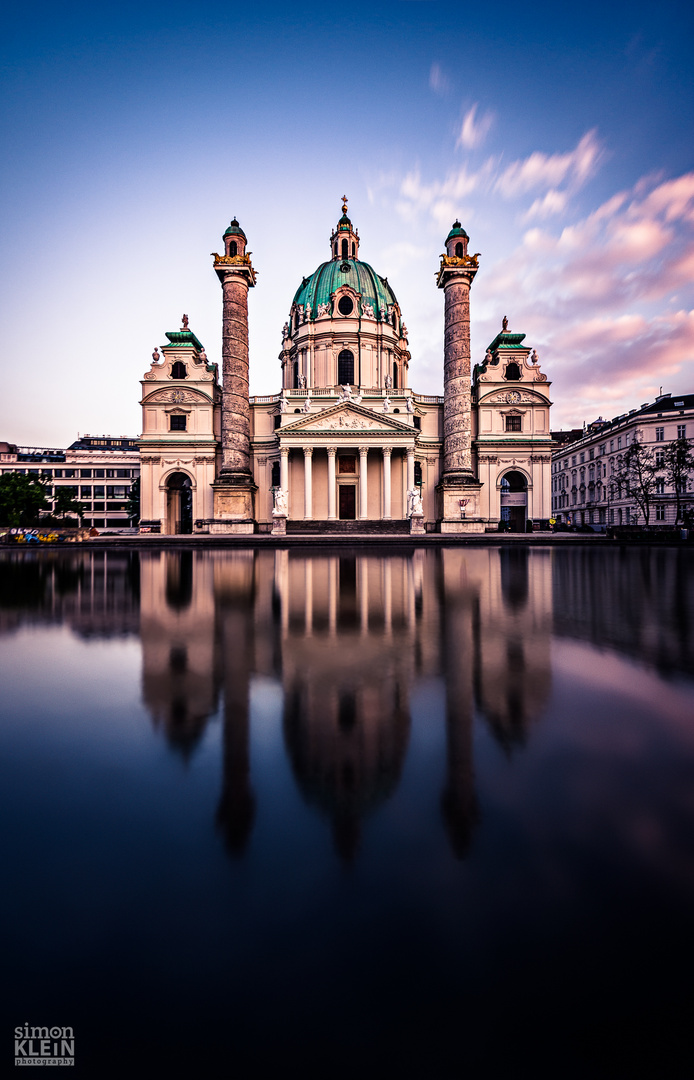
<point>133,133</point>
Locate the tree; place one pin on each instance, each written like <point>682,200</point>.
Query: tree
<point>678,462</point>
<point>134,501</point>
<point>638,471</point>
<point>66,503</point>
<point>21,499</point>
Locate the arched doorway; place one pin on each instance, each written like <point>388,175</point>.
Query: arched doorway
<point>179,503</point>
<point>514,501</point>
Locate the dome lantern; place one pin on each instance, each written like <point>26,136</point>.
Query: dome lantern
<point>344,240</point>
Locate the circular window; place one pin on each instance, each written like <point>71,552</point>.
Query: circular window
<point>346,305</point>
<point>345,267</point>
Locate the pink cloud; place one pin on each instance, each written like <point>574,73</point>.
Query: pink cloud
<point>549,170</point>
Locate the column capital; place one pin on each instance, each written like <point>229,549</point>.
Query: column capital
<point>387,450</point>
<point>410,451</point>
<point>363,451</point>
<point>332,450</point>
<point>308,451</point>
<point>284,451</point>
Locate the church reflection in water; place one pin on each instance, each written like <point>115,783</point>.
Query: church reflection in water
<point>349,636</point>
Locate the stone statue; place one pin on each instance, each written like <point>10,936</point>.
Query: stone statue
<point>388,381</point>
<point>202,359</point>
<point>386,404</point>
<point>283,404</point>
<point>285,331</point>
<point>307,403</point>
<point>367,310</point>
<point>346,394</point>
<point>302,382</point>
<point>323,310</point>
<point>414,499</point>
<point>185,323</point>
<point>488,356</point>
<point>280,507</point>
<point>504,325</point>
<point>308,312</point>
<point>410,405</point>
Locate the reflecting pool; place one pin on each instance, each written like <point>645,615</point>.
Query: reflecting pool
<point>426,815</point>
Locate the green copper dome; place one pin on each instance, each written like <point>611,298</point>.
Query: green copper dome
<point>235,230</point>
<point>330,276</point>
<point>456,231</point>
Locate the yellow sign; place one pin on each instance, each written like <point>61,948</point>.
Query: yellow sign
<point>553,521</point>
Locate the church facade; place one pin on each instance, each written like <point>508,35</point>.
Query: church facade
<point>346,445</point>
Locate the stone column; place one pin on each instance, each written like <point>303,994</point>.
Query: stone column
<point>284,473</point>
<point>308,482</point>
<point>410,468</point>
<point>332,450</point>
<point>363,483</point>
<point>455,277</point>
<point>387,451</point>
<point>234,488</point>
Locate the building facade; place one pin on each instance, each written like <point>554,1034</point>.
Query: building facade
<point>585,490</point>
<point>346,439</point>
<point>97,470</point>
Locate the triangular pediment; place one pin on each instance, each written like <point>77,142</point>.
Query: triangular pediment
<point>347,416</point>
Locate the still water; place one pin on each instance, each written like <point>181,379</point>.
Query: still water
<point>422,815</point>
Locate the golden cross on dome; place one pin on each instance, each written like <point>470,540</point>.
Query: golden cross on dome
<point>344,204</point>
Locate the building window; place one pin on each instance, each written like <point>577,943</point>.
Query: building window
<point>178,423</point>
<point>233,248</point>
<point>513,372</point>
<point>345,368</point>
<point>660,458</point>
<point>660,486</point>
<point>681,431</point>
<point>354,251</point>
<point>591,454</point>
<point>86,491</point>
<point>345,305</point>
<point>619,443</point>
<point>99,491</point>
<point>418,473</point>
<point>178,370</point>
<point>295,375</point>
<point>602,449</point>
<point>275,474</point>
<point>513,423</point>
<point>418,422</point>
<point>660,434</point>
<point>345,249</point>
<point>660,513</point>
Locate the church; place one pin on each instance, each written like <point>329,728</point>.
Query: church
<point>346,445</point>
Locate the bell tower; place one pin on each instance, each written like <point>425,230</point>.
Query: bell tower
<point>234,488</point>
<point>458,488</point>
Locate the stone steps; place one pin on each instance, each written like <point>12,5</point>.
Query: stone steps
<point>348,528</point>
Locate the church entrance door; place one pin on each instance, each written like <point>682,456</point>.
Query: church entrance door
<point>179,504</point>
<point>348,502</point>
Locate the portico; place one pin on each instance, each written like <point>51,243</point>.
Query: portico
<point>346,464</point>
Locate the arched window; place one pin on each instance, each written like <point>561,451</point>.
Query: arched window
<point>178,370</point>
<point>395,376</point>
<point>458,251</point>
<point>335,249</point>
<point>513,372</point>
<point>345,249</point>
<point>295,375</point>
<point>354,251</point>
<point>297,320</point>
<point>275,474</point>
<point>233,248</point>
<point>513,481</point>
<point>345,368</point>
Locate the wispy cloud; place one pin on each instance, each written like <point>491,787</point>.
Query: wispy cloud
<point>473,131</point>
<point>550,170</point>
<point>438,80</point>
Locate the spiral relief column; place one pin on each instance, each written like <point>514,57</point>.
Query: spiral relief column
<point>234,488</point>
<point>458,488</point>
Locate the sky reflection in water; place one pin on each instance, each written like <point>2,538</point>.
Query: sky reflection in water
<point>416,815</point>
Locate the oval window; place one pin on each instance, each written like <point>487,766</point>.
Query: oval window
<point>346,305</point>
